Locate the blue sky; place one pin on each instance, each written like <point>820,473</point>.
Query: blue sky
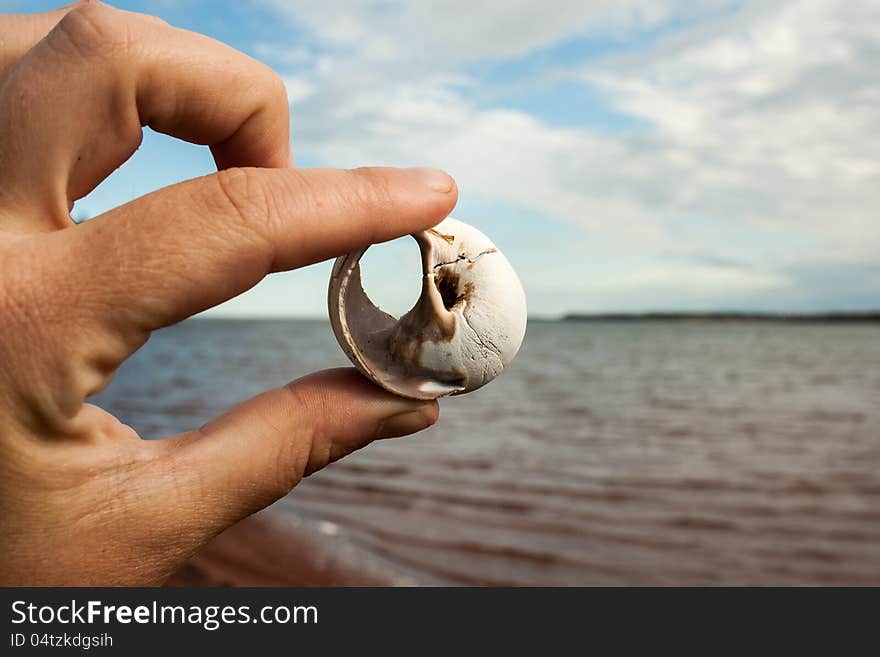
<point>626,156</point>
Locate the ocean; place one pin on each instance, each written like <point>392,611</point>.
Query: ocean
<point>611,453</point>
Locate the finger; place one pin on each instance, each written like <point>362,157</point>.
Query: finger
<point>113,72</point>
<point>258,451</point>
<point>191,246</point>
<point>20,32</point>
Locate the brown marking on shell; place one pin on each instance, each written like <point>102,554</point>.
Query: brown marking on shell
<point>448,283</point>
<point>448,238</point>
<point>473,261</point>
<point>405,347</point>
<point>447,280</point>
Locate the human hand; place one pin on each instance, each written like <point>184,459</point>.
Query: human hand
<point>83,500</point>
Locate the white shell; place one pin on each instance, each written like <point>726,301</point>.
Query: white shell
<point>466,327</point>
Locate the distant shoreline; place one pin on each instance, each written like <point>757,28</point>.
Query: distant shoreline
<point>856,317</point>
<point>836,317</point>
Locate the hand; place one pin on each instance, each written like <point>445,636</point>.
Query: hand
<point>83,500</point>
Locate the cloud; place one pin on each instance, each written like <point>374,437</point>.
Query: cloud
<point>773,115</point>
<point>299,88</point>
<point>453,31</point>
<point>757,141</point>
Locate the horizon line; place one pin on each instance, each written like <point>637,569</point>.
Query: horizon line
<point>872,314</point>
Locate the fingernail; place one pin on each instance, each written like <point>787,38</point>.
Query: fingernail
<point>403,424</point>
<point>438,180</point>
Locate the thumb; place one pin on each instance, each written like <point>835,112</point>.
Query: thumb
<point>257,452</point>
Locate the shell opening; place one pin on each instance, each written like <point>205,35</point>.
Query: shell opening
<point>397,261</point>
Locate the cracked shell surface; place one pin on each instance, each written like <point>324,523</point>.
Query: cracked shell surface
<point>466,327</point>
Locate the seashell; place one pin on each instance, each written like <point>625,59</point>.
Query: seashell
<point>466,327</point>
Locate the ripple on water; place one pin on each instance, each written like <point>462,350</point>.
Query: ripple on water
<point>608,453</point>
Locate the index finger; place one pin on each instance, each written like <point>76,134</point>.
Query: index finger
<point>114,72</point>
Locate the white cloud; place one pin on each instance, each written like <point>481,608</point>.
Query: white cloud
<point>461,30</point>
<point>771,118</point>
<point>298,88</point>
<point>760,124</point>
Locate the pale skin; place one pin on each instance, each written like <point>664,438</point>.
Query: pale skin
<point>84,500</point>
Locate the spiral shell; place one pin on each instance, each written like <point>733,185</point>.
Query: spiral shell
<point>466,327</point>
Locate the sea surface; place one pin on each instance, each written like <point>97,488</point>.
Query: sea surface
<point>652,453</point>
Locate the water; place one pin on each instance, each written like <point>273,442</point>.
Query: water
<point>609,453</point>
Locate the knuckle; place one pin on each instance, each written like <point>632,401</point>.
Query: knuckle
<point>245,195</point>
<point>91,29</point>
<point>298,456</point>
<point>264,83</point>
<point>248,200</point>
<point>86,27</point>
<point>95,29</point>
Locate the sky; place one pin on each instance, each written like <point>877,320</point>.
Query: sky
<point>626,155</point>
